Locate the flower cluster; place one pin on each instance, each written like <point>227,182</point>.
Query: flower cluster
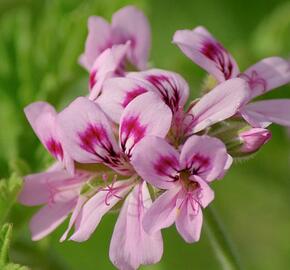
<point>136,144</point>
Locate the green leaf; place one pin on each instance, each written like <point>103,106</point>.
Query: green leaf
<point>9,189</point>
<point>12,266</point>
<point>5,239</point>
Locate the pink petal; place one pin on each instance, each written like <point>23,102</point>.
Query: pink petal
<point>163,211</point>
<point>117,93</point>
<point>129,23</point>
<point>87,133</point>
<point>96,207</point>
<point>156,161</point>
<point>98,39</point>
<point>267,75</point>
<point>108,64</point>
<point>203,49</point>
<point>131,246</point>
<point>263,113</point>
<point>50,187</point>
<point>219,104</point>
<point>145,115</point>
<point>80,202</point>
<point>49,218</point>
<point>189,222</point>
<point>172,88</point>
<point>204,156</point>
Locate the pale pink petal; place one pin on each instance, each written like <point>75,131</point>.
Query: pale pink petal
<point>203,49</point>
<point>49,218</point>
<point>156,161</point>
<point>99,38</point>
<point>50,187</point>
<point>109,64</point>
<point>189,222</point>
<point>96,207</point>
<point>206,194</point>
<point>129,23</point>
<point>131,246</point>
<point>163,211</point>
<point>145,115</point>
<point>263,113</point>
<point>172,88</point>
<point>267,75</point>
<point>227,167</point>
<point>87,133</point>
<point>204,156</point>
<point>117,93</point>
<point>219,104</point>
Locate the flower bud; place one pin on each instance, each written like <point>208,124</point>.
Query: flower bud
<point>254,139</point>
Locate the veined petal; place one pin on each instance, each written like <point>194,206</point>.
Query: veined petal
<point>204,50</point>
<point>267,75</point>
<point>263,113</point>
<point>109,64</point>
<point>117,93</point>
<point>130,23</point>
<point>96,207</point>
<point>49,218</point>
<point>189,222</point>
<point>204,156</point>
<point>131,246</point>
<point>156,161</point>
<point>163,211</point>
<point>172,88</point>
<point>87,133</point>
<point>99,38</point>
<point>42,118</point>
<point>145,115</point>
<point>219,104</point>
<point>51,187</point>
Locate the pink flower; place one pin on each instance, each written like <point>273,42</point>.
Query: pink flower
<point>128,25</point>
<point>254,139</point>
<point>219,104</point>
<point>59,191</point>
<point>184,176</point>
<point>42,118</point>
<point>89,137</point>
<point>203,49</point>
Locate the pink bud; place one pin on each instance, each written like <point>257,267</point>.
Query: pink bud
<point>254,139</point>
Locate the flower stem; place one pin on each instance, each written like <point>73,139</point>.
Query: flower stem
<point>220,241</point>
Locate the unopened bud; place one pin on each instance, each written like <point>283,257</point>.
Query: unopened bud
<point>254,139</point>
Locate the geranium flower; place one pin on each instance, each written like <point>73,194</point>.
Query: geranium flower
<point>203,49</point>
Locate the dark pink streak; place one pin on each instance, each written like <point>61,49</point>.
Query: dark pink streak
<point>167,89</point>
<point>131,127</point>
<point>217,53</point>
<point>92,80</point>
<point>165,164</point>
<point>198,164</point>
<point>55,148</point>
<point>132,94</point>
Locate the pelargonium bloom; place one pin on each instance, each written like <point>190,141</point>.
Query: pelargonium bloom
<point>129,24</point>
<point>185,177</point>
<point>203,49</point>
<point>90,138</point>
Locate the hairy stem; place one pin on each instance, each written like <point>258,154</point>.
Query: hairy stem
<point>220,242</point>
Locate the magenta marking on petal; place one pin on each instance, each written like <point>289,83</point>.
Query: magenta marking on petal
<point>92,80</point>
<point>216,52</point>
<point>132,127</point>
<point>166,163</point>
<point>133,94</point>
<point>55,148</point>
<point>171,100</point>
<point>254,80</point>
<point>198,164</point>
<point>96,136</point>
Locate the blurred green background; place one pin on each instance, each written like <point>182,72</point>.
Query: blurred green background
<point>40,42</point>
